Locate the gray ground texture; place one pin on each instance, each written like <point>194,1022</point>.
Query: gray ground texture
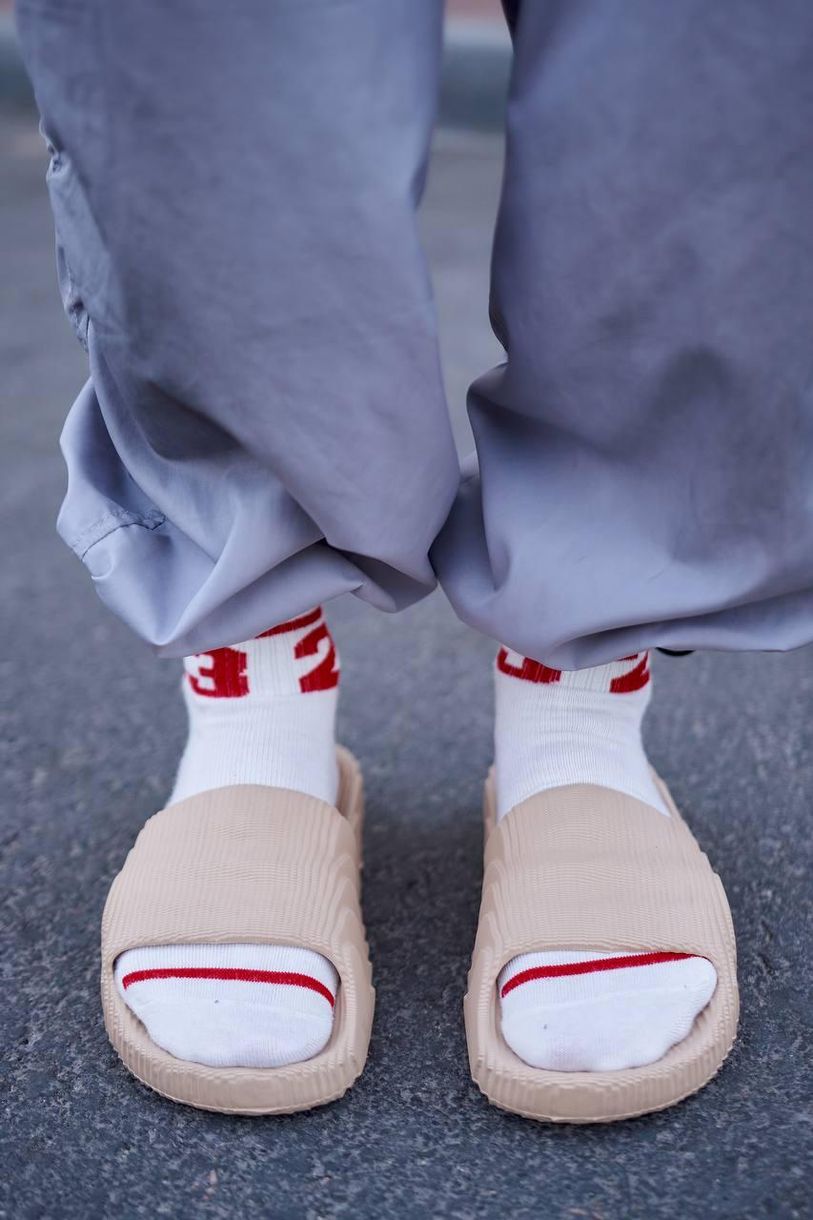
<point>92,729</point>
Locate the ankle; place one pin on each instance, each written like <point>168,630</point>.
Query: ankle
<point>263,712</point>
<point>554,728</point>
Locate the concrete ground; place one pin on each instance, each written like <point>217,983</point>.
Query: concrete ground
<point>92,729</point>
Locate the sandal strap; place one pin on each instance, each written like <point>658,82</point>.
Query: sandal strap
<point>243,864</point>
<point>587,868</point>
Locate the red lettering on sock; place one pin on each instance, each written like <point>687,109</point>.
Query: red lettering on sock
<point>294,624</point>
<point>528,671</point>
<point>326,674</point>
<point>634,680</point>
<point>222,674</point>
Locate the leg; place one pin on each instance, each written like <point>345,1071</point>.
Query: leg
<point>645,450</point>
<point>264,426</point>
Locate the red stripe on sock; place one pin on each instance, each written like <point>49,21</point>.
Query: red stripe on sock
<point>634,680</point>
<point>294,624</point>
<point>230,974</point>
<point>594,966</point>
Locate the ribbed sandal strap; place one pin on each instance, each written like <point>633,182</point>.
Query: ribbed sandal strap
<point>245,864</point>
<point>585,867</point>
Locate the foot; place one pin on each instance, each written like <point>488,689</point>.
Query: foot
<point>231,1005</point>
<point>586,1011</point>
<point>600,1012</point>
<point>261,712</point>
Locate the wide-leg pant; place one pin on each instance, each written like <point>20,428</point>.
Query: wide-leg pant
<point>264,427</point>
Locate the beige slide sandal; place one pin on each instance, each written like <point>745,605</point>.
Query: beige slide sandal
<point>251,865</point>
<point>586,868</point>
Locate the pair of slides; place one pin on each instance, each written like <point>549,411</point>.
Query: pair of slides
<point>573,868</point>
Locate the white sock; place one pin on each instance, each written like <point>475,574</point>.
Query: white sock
<point>263,712</point>
<point>260,712</point>
<point>586,1011</point>
<point>556,727</point>
<point>613,1016</point>
<point>231,1005</point>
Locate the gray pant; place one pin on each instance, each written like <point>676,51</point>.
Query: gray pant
<point>264,427</point>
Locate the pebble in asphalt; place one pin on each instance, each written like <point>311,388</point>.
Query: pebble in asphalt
<point>93,726</point>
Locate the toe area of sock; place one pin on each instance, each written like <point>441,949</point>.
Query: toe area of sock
<point>191,1011</point>
<point>234,1035</point>
<point>561,1044</point>
<point>568,1029</point>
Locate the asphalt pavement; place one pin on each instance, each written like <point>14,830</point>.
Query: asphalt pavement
<point>92,727</point>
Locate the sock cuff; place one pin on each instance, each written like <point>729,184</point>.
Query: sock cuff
<point>625,676</point>
<point>296,657</point>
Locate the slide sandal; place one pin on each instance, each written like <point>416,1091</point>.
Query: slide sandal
<point>251,865</point>
<point>586,868</point>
